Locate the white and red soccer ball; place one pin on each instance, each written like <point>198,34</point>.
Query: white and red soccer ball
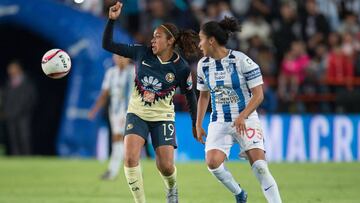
<point>56,63</point>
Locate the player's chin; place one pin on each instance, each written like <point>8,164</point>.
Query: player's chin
<point>205,53</point>
<point>154,50</point>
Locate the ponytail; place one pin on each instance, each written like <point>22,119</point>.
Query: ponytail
<point>222,30</point>
<point>185,41</point>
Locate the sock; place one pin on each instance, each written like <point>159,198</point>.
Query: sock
<point>116,157</point>
<point>267,182</point>
<point>170,181</point>
<point>135,181</point>
<point>225,177</point>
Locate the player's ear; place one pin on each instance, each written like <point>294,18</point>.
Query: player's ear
<point>211,40</point>
<point>171,41</point>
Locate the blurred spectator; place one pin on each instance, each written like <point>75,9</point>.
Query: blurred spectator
<point>224,9</point>
<point>240,8</point>
<point>19,100</point>
<point>292,72</point>
<point>155,14</point>
<point>330,10</point>
<point>209,12</point>
<point>270,103</point>
<point>264,8</point>
<point>340,62</point>
<point>315,77</point>
<point>266,61</point>
<point>350,24</point>
<point>255,25</point>
<point>346,6</point>
<point>315,27</point>
<point>286,29</point>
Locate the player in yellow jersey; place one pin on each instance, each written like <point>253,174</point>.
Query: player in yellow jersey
<point>160,69</point>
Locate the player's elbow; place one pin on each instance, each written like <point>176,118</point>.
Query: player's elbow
<point>260,97</point>
<point>105,45</point>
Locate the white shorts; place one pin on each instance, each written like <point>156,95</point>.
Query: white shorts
<point>222,136</point>
<point>117,123</point>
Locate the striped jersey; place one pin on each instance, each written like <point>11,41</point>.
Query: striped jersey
<point>119,83</point>
<point>229,81</point>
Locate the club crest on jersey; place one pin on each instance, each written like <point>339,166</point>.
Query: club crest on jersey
<point>230,68</point>
<point>129,126</point>
<point>170,77</point>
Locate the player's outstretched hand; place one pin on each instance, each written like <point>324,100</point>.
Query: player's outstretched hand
<point>200,133</point>
<point>115,10</point>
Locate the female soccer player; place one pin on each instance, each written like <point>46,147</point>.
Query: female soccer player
<point>116,86</point>
<point>159,70</point>
<point>234,84</point>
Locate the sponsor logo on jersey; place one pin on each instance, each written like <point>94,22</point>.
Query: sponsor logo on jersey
<point>220,75</point>
<point>145,64</point>
<point>225,95</point>
<point>149,96</point>
<point>170,77</point>
<point>151,83</point>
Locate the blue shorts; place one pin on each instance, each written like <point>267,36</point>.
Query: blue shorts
<point>161,132</point>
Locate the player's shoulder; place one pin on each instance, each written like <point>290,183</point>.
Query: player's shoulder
<point>111,70</point>
<point>181,63</point>
<point>203,61</point>
<point>244,59</point>
<point>237,54</point>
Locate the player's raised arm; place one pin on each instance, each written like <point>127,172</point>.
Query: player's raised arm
<point>127,50</point>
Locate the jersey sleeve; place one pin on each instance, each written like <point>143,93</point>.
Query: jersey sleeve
<point>133,51</point>
<point>185,80</point>
<point>201,80</point>
<point>251,72</point>
<point>106,80</point>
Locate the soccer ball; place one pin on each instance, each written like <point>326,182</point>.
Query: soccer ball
<point>56,63</point>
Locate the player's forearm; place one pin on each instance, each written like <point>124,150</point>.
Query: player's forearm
<point>100,102</point>
<point>202,107</point>
<point>108,41</point>
<point>254,102</point>
<point>191,102</point>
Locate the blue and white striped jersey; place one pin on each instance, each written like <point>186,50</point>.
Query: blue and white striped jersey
<point>120,84</point>
<point>229,81</point>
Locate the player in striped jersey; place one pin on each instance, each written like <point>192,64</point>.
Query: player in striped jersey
<point>117,86</point>
<point>234,84</point>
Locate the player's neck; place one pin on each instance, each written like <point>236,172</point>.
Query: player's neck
<point>166,56</point>
<point>220,53</point>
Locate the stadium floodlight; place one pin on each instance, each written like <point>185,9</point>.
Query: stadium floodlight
<point>79,1</point>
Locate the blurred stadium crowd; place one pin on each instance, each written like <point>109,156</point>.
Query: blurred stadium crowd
<point>307,50</point>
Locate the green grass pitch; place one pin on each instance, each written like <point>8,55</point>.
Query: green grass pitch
<point>53,180</point>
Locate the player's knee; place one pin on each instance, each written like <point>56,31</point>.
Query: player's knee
<point>166,167</point>
<point>130,161</point>
<point>213,163</point>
